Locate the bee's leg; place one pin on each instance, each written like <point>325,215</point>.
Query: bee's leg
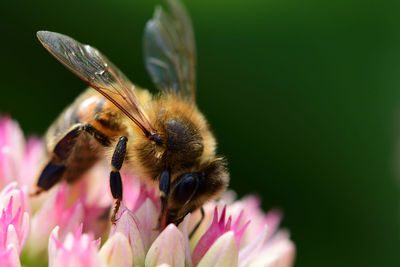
<point>115,177</point>
<point>165,180</point>
<point>198,224</point>
<point>50,175</point>
<point>56,167</point>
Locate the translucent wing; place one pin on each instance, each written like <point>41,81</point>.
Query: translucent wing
<point>169,49</point>
<point>96,70</point>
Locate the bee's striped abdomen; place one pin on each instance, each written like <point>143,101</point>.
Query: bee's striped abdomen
<point>76,140</point>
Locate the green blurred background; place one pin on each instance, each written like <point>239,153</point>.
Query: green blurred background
<point>304,97</point>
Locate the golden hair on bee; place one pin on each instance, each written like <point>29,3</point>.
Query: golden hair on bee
<point>161,138</point>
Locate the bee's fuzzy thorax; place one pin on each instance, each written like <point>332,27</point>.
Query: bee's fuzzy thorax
<point>187,141</point>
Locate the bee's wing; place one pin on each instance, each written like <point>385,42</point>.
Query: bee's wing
<point>96,70</point>
<point>169,49</point>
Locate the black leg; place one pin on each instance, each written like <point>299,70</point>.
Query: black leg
<point>198,224</point>
<point>165,180</point>
<point>115,177</point>
<point>51,174</point>
<point>56,167</point>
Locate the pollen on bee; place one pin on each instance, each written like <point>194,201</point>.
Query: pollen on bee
<point>113,168</point>
<point>158,154</point>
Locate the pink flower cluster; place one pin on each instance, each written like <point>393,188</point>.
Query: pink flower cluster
<point>65,226</point>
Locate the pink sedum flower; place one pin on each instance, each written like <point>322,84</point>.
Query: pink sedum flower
<point>77,250</point>
<point>14,224</point>
<point>117,252</point>
<point>136,234</point>
<point>55,211</point>
<point>168,249</point>
<point>217,229</point>
<point>67,222</point>
<point>9,257</point>
<point>19,159</point>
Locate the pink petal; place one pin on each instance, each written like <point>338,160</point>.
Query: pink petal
<point>77,250</point>
<point>12,146</point>
<point>217,229</point>
<point>14,221</point>
<point>251,207</point>
<point>147,215</point>
<point>205,224</point>
<point>145,194</point>
<point>128,225</point>
<point>19,196</point>
<point>24,230</point>
<point>253,248</point>
<point>9,257</point>
<point>54,211</point>
<point>12,237</point>
<point>131,190</point>
<point>183,227</point>
<point>117,252</point>
<point>223,252</point>
<point>280,253</point>
<point>93,192</point>
<point>168,249</point>
<point>272,219</point>
<point>33,157</point>
<point>96,218</point>
<point>137,192</point>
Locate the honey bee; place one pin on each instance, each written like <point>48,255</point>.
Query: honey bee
<point>162,139</point>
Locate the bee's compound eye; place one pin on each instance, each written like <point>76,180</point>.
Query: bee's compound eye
<point>186,188</point>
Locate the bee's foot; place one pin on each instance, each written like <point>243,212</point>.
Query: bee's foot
<point>114,217</point>
<point>114,220</point>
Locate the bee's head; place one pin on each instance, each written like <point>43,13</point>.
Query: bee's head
<point>191,190</point>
